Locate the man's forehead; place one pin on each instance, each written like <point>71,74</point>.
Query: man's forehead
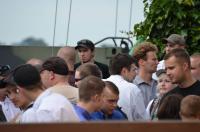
<point>83,49</point>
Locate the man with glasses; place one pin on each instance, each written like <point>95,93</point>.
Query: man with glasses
<point>86,53</point>
<point>85,70</point>
<point>54,74</point>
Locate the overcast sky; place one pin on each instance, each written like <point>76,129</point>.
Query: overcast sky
<point>91,19</point>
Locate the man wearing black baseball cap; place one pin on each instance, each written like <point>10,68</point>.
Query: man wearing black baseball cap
<point>47,106</point>
<point>86,54</point>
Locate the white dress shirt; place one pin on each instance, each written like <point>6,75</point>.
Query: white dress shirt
<point>130,98</point>
<point>9,109</point>
<point>50,107</point>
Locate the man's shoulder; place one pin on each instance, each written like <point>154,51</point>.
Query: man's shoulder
<point>197,83</point>
<point>54,99</point>
<point>118,115</point>
<point>77,65</point>
<point>101,64</point>
<point>174,90</point>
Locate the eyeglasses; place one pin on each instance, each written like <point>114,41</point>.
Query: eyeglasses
<point>112,101</point>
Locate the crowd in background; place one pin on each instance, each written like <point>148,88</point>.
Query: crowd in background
<point>135,87</point>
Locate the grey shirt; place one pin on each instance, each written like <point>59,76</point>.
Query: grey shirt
<point>148,90</point>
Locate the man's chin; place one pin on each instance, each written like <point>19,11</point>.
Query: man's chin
<point>84,61</point>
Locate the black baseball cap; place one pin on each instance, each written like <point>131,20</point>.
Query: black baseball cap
<point>26,75</point>
<point>56,65</point>
<point>85,43</point>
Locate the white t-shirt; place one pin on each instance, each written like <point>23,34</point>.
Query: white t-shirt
<point>9,109</point>
<point>50,107</point>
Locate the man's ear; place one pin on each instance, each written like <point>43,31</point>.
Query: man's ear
<point>185,66</point>
<point>93,53</point>
<point>95,98</point>
<point>52,75</point>
<point>141,62</point>
<point>20,89</point>
<point>123,71</point>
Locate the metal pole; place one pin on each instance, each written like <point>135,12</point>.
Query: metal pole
<point>54,32</point>
<point>130,18</point>
<point>116,17</point>
<point>69,18</point>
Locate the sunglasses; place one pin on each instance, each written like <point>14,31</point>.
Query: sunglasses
<point>78,79</point>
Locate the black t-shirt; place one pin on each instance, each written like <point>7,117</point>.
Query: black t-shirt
<point>194,89</point>
<point>104,68</point>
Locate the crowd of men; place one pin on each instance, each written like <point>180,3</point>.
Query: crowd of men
<point>134,87</point>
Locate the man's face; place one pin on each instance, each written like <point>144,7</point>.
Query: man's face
<point>170,46</point>
<point>46,78</point>
<point>109,101</point>
<point>151,62</point>
<point>85,54</point>
<point>175,70</point>
<point>195,67</point>
<point>18,99</point>
<point>129,75</point>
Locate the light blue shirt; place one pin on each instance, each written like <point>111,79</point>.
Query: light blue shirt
<point>148,90</point>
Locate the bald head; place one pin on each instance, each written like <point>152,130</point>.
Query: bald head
<point>34,61</point>
<point>69,55</point>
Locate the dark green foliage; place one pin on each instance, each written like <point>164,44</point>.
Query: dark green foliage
<point>165,17</point>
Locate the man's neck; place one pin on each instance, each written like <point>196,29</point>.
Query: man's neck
<point>146,76</point>
<point>90,61</point>
<point>35,94</point>
<point>87,106</point>
<point>61,81</point>
<point>188,81</point>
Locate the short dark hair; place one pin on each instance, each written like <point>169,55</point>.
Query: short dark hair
<point>111,86</point>
<point>170,107</point>
<point>140,52</point>
<point>27,76</point>
<point>181,55</point>
<point>87,69</point>
<point>120,61</point>
<point>56,65</point>
<point>89,87</point>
